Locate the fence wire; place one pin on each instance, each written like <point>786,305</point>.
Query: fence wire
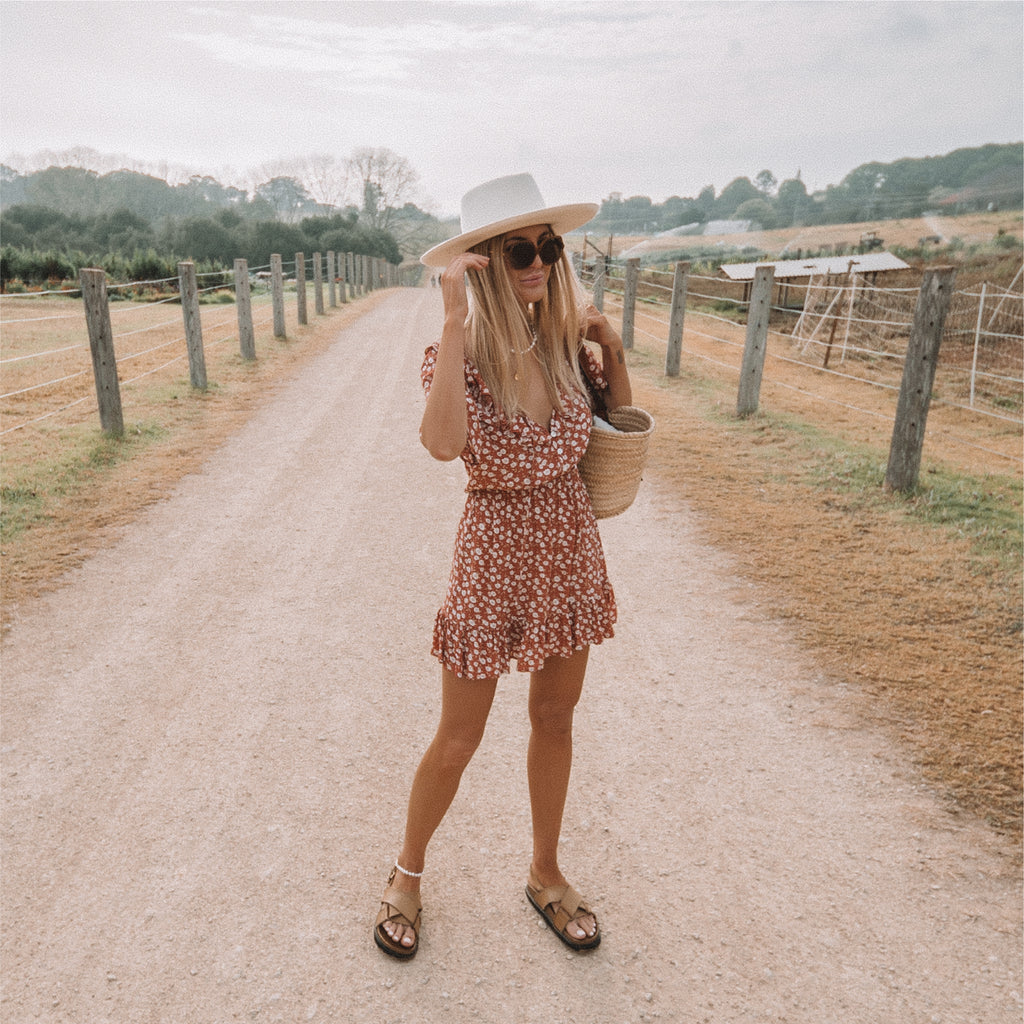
<point>852,322</point>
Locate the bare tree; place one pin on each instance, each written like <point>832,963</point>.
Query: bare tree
<point>387,181</point>
<point>325,179</point>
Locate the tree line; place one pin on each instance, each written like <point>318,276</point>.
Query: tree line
<point>137,226</point>
<point>961,181</point>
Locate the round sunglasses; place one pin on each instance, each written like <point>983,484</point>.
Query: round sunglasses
<point>522,253</point>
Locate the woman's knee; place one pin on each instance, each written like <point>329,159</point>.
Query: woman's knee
<point>552,716</point>
<point>454,750</point>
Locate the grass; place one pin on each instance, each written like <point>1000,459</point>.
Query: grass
<point>32,491</point>
<point>913,600</point>
<point>985,511</point>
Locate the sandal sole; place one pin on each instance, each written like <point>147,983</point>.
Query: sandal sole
<point>400,953</point>
<point>573,944</point>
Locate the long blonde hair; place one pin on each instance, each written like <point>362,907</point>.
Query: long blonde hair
<point>499,330</point>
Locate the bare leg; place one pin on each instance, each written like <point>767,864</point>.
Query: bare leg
<point>554,693</point>
<point>465,705</point>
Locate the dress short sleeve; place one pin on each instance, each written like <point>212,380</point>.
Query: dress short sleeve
<point>591,366</point>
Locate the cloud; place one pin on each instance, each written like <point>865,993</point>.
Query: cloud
<point>643,98</point>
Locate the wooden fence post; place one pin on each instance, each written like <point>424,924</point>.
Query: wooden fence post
<point>318,283</point>
<point>673,350</point>
<point>918,377</point>
<point>629,301</point>
<point>101,346</point>
<point>243,300</point>
<point>343,276</point>
<point>756,345</point>
<point>599,271</point>
<point>277,294</point>
<point>332,283</point>
<point>193,324</point>
<point>300,287</point>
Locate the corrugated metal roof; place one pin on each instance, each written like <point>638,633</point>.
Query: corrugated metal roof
<point>785,270</point>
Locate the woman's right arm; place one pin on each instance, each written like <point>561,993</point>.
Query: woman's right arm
<point>443,428</point>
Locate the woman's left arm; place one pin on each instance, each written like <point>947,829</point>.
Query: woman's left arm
<point>613,357</point>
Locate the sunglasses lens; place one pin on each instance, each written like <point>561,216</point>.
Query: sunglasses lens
<point>550,250</point>
<point>521,255</point>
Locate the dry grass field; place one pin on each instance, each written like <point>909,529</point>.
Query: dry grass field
<point>970,229</point>
<point>913,604</point>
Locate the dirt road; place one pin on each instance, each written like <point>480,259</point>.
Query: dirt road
<point>209,732</point>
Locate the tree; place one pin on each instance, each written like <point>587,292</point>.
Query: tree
<point>765,182</point>
<point>738,191</point>
<point>675,212</point>
<point>202,238</point>
<point>286,196</point>
<point>270,236</point>
<point>758,211</point>
<point>326,179</point>
<point>706,202</point>
<point>791,202</point>
<point>121,231</point>
<point>386,181</point>
<point>12,186</point>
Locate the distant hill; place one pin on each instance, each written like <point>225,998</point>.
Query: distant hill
<point>963,181</point>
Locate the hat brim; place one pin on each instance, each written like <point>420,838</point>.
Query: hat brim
<point>561,219</point>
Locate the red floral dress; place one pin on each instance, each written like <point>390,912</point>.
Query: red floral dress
<point>528,579</point>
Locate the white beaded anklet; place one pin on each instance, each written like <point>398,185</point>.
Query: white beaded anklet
<point>410,874</point>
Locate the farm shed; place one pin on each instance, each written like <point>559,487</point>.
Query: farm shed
<point>803,271</point>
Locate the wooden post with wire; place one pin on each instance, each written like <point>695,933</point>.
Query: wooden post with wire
<point>318,283</point>
<point>676,316</point>
<point>193,324</point>
<point>918,377</point>
<point>629,300</point>
<point>756,345</point>
<point>277,294</point>
<point>243,301</point>
<point>300,287</point>
<point>599,271</point>
<point>332,282</point>
<point>101,347</point>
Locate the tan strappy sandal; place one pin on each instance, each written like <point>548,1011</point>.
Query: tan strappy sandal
<point>401,908</point>
<point>560,905</point>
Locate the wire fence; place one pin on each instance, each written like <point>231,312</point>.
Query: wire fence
<point>46,363</point>
<point>850,332</point>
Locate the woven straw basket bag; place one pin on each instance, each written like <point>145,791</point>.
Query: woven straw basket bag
<point>613,463</point>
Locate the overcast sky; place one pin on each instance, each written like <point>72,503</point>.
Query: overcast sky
<point>653,99</point>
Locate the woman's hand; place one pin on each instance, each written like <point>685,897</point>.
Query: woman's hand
<point>596,327</point>
<point>453,283</point>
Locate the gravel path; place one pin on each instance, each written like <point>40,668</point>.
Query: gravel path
<point>209,733</point>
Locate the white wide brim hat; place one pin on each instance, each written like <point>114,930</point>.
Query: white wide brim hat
<point>499,206</point>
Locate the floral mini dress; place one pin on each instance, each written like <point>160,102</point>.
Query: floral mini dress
<point>528,579</point>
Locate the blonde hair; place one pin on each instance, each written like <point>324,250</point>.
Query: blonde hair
<point>499,331</point>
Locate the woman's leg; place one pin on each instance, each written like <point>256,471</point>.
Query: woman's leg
<point>465,705</point>
<point>554,693</point>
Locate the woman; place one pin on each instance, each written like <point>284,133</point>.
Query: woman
<point>507,389</point>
